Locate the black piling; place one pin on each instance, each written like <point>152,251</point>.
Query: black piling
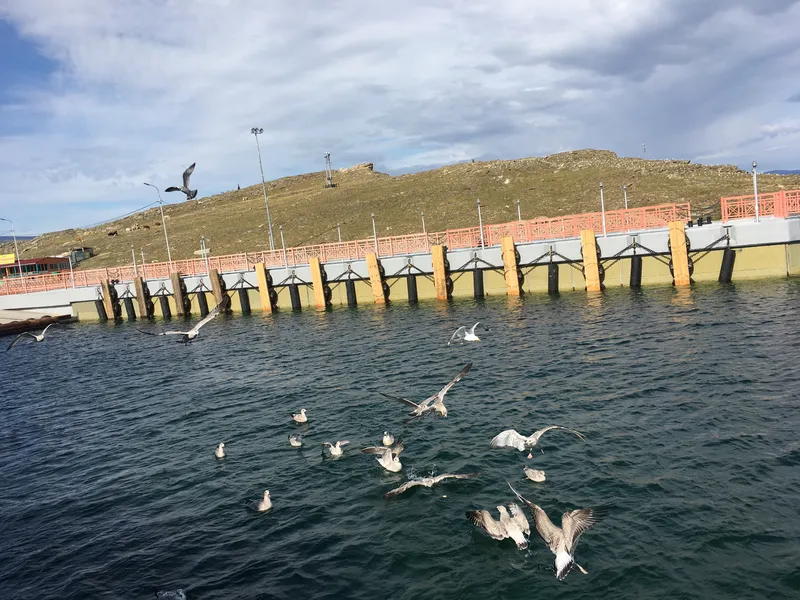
<point>552,278</point>
<point>101,310</point>
<point>411,282</point>
<point>477,283</point>
<point>202,301</point>
<point>726,268</point>
<point>244,301</point>
<point>636,271</point>
<point>350,287</point>
<point>294,295</point>
<point>166,311</point>
<point>129,309</point>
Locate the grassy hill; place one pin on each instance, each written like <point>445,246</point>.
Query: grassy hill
<point>554,185</point>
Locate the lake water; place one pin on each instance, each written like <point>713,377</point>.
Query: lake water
<point>688,399</point>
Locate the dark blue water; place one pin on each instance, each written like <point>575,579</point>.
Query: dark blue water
<point>688,398</point>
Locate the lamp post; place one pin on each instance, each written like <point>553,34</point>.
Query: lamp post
<point>339,229</point>
<point>205,252</point>
<point>519,211</point>
<point>755,188</point>
<point>603,209</point>
<point>71,272</point>
<point>424,231</point>
<point>283,245</point>
<point>374,233</point>
<point>163,223</point>
<point>625,195</point>
<point>16,248</point>
<point>255,131</point>
<point>480,222</point>
<point>133,255</point>
<point>644,151</point>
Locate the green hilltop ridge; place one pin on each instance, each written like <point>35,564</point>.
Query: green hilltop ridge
<point>549,186</point>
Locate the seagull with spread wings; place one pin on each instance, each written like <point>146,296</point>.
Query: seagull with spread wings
<point>190,335</point>
<point>563,540</point>
<point>336,449</point>
<point>190,194</point>
<point>434,403</point>
<point>387,457</point>
<point>512,523</point>
<point>510,438</point>
<point>467,335</point>
<point>36,338</point>
<point>428,482</point>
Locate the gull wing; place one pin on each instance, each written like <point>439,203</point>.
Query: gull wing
<point>472,330</point>
<point>544,526</point>
<point>575,522</point>
<point>399,399</point>
<point>16,339</point>
<point>399,447</point>
<point>172,188</point>
<point>343,442</point>
<point>48,327</point>
<point>485,521</point>
<point>403,488</point>
<point>214,312</point>
<point>534,438</point>
<point>509,438</point>
<point>444,476</point>
<point>519,517</point>
<point>383,450</point>
<point>462,330</point>
<point>187,174</point>
<point>455,380</point>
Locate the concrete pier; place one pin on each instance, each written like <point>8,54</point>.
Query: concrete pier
<point>679,253</point>
<point>510,266</point>
<point>439,258</point>
<point>591,268</point>
<point>317,283</point>
<point>265,291</point>
<point>376,278</point>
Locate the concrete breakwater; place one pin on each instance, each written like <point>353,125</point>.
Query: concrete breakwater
<point>676,254</point>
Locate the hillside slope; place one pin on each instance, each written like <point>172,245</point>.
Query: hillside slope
<point>558,184</point>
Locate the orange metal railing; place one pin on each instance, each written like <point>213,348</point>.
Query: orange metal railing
<point>772,204</point>
<point>570,226</point>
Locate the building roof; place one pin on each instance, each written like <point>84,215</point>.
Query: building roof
<point>46,260</point>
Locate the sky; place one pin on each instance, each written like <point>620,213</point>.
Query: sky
<point>99,96</point>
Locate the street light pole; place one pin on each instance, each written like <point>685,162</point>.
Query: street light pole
<point>374,233</point>
<point>163,223</point>
<point>255,131</point>
<point>625,194</point>
<point>339,229</point>
<point>283,245</point>
<point>480,222</point>
<point>205,252</point>
<point>755,188</point>
<point>16,248</point>
<point>603,209</point>
<point>424,231</point>
<point>133,254</point>
<point>519,211</point>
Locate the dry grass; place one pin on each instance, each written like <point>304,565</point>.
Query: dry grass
<point>554,185</point>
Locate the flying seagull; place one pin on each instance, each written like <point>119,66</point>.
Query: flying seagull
<point>219,452</point>
<point>178,594</point>
<point>295,441</point>
<point>388,458</point>
<point>336,449</point>
<point>510,438</point>
<point>388,439</point>
<point>185,187</point>
<point>300,417</point>
<point>563,540</point>
<point>36,338</point>
<point>512,523</point>
<point>261,505</point>
<point>190,335</point>
<point>427,482</point>
<point>435,402</point>
<point>467,335</point>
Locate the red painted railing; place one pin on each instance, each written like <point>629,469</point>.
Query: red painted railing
<point>772,204</point>
<point>570,226</point>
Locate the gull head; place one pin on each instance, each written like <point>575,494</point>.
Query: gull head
<point>266,494</point>
<point>502,510</point>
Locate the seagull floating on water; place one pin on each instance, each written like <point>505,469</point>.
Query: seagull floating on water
<point>262,505</point>
<point>510,438</point>
<point>433,404</point>
<point>467,335</point>
<point>190,335</point>
<point>428,482</point>
<point>300,417</point>
<point>512,523</point>
<point>36,338</point>
<point>190,194</point>
<point>563,540</point>
<point>388,458</point>
<point>220,451</point>
<point>336,449</point>
<point>388,439</point>
<point>533,474</point>
<point>178,594</point>
<point>295,441</point>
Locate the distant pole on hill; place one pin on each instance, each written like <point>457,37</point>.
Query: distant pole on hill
<point>163,222</point>
<point>603,209</point>
<point>16,248</point>
<point>374,233</point>
<point>519,211</point>
<point>755,188</point>
<point>644,151</point>
<point>425,231</point>
<point>328,171</point>
<point>255,131</point>
<point>480,222</point>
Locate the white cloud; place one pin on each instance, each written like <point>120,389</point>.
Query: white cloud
<point>143,88</point>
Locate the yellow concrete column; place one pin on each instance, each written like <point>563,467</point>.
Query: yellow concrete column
<point>510,265</point>
<point>177,293</point>
<point>216,286</point>
<point>107,300</point>
<point>439,272</point>
<point>316,282</point>
<point>375,278</point>
<point>139,284</point>
<point>680,256</point>
<point>263,287</point>
<point>591,270</point>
